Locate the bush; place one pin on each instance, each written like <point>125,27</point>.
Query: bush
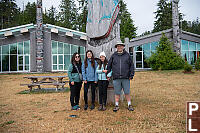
<point>187,67</point>
<point>197,64</point>
<point>165,58</point>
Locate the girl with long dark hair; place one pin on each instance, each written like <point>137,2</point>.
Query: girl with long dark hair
<point>89,77</point>
<point>74,73</point>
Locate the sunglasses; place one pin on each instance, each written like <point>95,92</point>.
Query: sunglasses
<point>77,56</point>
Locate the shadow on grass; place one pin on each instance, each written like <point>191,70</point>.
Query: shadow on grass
<point>46,91</point>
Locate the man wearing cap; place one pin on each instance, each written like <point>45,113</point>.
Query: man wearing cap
<point>122,68</point>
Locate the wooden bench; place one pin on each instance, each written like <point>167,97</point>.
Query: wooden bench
<point>45,80</point>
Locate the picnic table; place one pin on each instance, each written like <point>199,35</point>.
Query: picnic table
<point>45,80</point>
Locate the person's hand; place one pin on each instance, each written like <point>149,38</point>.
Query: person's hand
<point>108,78</point>
<point>105,71</point>
<point>130,78</point>
<point>95,82</point>
<point>85,81</point>
<point>72,83</point>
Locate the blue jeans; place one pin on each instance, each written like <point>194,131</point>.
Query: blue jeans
<point>120,84</point>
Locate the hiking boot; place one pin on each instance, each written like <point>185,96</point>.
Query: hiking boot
<point>130,108</point>
<point>74,108</point>
<point>104,107</point>
<point>100,107</point>
<point>78,107</point>
<point>85,107</point>
<point>92,106</point>
<point>116,108</point>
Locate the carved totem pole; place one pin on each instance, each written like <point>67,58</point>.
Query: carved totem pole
<point>103,31</point>
<point>175,26</point>
<point>39,38</point>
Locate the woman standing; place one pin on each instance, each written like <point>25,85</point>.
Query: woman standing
<point>102,81</point>
<point>89,77</point>
<point>75,83</point>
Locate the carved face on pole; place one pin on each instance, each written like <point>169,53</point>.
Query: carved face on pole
<point>101,17</point>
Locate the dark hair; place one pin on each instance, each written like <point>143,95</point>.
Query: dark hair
<point>92,59</point>
<point>104,63</point>
<point>73,61</point>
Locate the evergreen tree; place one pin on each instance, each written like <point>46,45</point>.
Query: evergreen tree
<point>8,13</point>
<point>165,58</point>
<point>127,28</point>
<point>193,27</point>
<point>68,15</point>
<point>82,18</point>
<point>29,14</point>
<point>50,16</point>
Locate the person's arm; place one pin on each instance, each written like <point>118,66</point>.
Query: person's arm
<point>132,68</point>
<point>109,67</point>
<point>70,73</point>
<point>98,70</point>
<point>95,74</point>
<point>109,74</point>
<point>84,71</point>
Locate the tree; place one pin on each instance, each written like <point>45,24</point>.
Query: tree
<point>164,16</point>
<point>165,58</point>
<point>68,15</point>
<point>8,13</point>
<point>127,28</point>
<point>193,27</point>
<point>50,16</point>
<point>82,18</point>
<point>29,14</point>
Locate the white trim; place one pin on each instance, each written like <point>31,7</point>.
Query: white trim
<point>66,29</point>
<point>22,26</point>
<point>69,34</point>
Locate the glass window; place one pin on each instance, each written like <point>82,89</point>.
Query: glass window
<point>13,49</point>
<point>27,60</point>
<point>54,47</point>
<point>20,60</point>
<point>60,48</point>
<point>192,57</point>
<point>26,67</point>
<point>26,47</point>
<point>20,48</point>
<point>60,67</point>
<point>66,48</point>
<point>0,62</point>
<point>146,47</point>
<point>54,67</point>
<point>82,57</point>
<point>138,48</point>
<point>60,59</point>
<point>184,45</point>
<point>185,55</point>
<point>5,62</point>
<point>198,46</point>
<point>13,62</point>
<point>5,49</point>
<point>192,46</point>
<point>54,59</point>
<point>82,50</point>
<point>74,49</point>
<point>147,54</point>
<point>154,45</point>
<point>67,61</point>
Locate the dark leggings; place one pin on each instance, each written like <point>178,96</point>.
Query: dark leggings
<point>93,87</point>
<point>103,85</point>
<point>75,93</point>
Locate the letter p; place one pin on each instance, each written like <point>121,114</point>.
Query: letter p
<point>193,109</point>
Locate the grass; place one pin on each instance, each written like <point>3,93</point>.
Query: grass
<point>159,99</point>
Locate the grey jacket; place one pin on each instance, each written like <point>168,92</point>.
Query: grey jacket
<point>121,65</point>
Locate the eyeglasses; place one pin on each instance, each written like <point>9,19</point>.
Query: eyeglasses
<point>77,56</point>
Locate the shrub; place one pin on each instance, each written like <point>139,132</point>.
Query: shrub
<point>197,64</point>
<point>164,58</point>
<point>187,67</point>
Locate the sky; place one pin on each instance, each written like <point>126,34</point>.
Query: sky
<point>142,11</point>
